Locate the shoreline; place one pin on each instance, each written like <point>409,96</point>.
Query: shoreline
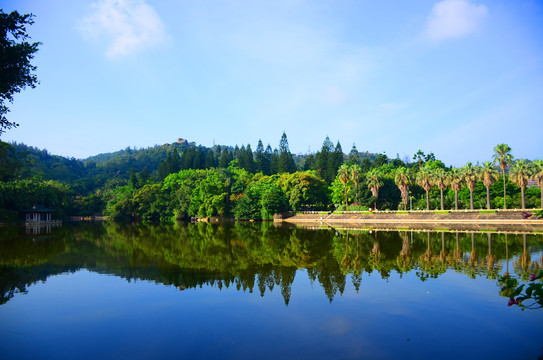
<point>509,220</point>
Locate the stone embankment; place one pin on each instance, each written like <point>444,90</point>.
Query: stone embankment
<point>431,219</point>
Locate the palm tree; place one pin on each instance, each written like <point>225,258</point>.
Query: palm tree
<point>373,177</point>
<point>470,177</point>
<point>403,181</point>
<point>488,174</point>
<point>355,176</point>
<point>502,155</point>
<point>455,179</point>
<point>343,174</point>
<point>537,174</point>
<point>424,179</point>
<point>520,174</point>
<point>441,180</point>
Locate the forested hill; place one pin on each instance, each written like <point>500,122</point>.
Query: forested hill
<point>20,161</point>
<point>127,153</point>
<point>90,173</point>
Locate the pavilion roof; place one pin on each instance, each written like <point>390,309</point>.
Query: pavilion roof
<point>39,209</point>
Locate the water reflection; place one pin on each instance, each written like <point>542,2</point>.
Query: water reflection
<point>257,257</point>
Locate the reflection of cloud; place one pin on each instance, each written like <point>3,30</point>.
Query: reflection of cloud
<point>337,326</point>
<point>128,25</point>
<point>453,19</point>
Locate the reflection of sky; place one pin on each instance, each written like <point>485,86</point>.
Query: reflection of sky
<point>90,315</point>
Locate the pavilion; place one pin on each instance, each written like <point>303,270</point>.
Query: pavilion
<point>38,215</point>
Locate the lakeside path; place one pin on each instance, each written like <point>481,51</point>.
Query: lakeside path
<point>499,220</point>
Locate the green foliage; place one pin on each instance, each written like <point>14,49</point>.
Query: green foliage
<point>16,71</point>
<point>304,190</point>
<point>9,162</point>
<point>19,195</point>
<point>261,201</point>
<point>338,191</point>
<point>529,298</point>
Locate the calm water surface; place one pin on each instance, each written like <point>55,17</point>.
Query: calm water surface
<point>262,291</point>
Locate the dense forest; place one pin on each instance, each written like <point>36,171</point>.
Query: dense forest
<point>183,180</point>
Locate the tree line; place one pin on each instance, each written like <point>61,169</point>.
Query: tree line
<point>184,181</point>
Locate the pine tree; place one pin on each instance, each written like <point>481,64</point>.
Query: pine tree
<point>353,156</point>
<point>133,178</point>
<point>310,162</point>
<point>286,161</point>
<point>173,162</point>
<point>225,158</point>
<point>210,161</point>
<point>335,161</point>
<point>259,157</point>
<point>199,159</point>
<point>187,158</point>
<point>267,164</point>
<point>249,163</point>
<point>274,162</point>
<point>241,157</point>
<point>323,158</point>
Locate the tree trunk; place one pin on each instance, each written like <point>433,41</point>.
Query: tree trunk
<point>441,198</point>
<point>427,200</point>
<point>488,198</point>
<point>504,194</point>
<point>356,193</point>
<point>542,196</point>
<point>523,199</point>
<point>345,187</point>
<point>455,199</point>
<point>471,198</point>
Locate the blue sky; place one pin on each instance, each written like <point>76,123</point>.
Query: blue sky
<point>452,77</point>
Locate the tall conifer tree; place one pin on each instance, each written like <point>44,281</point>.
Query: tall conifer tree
<point>286,161</point>
<point>267,164</point>
<point>259,157</point>
<point>249,163</point>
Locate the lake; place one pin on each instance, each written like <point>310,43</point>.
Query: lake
<point>263,290</point>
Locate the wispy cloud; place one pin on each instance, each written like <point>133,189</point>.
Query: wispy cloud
<point>453,19</point>
<point>127,26</point>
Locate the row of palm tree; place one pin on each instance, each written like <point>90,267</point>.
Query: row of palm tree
<point>428,176</point>
<point>432,175</point>
<point>520,173</point>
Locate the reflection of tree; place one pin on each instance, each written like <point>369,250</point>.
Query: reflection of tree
<point>490,258</point>
<point>243,256</point>
<point>473,256</point>
<point>286,278</point>
<point>443,253</point>
<point>524,265</point>
<point>458,252</point>
<point>376,251</point>
<point>404,260</point>
<point>426,258</point>
<point>430,264</point>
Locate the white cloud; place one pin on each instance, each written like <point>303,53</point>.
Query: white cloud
<point>127,26</point>
<point>453,19</point>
